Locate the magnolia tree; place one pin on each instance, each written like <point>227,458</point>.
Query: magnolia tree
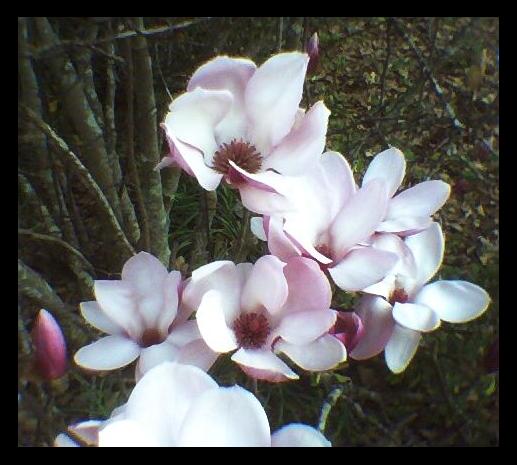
<point>243,125</point>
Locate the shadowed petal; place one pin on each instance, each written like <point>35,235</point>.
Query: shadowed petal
<point>304,327</point>
<point>94,315</point>
<point>298,435</point>
<point>389,165</point>
<point>265,361</point>
<point>108,353</point>
<point>401,348</point>
<point>416,317</point>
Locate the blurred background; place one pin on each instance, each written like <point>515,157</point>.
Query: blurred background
<point>92,92</point>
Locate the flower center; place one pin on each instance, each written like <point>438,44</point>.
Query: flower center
<point>241,153</point>
<point>150,337</point>
<point>251,330</point>
<point>398,295</point>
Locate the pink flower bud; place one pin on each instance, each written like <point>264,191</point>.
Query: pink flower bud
<point>348,329</point>
<point>50,347</point>
<point>314,52</point>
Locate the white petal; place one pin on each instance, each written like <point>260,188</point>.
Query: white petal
<point>389,165</point>
<point>454,301</point>
<point>94,315</point>
<point>401,348</point>
<point>405,224</point>
<point>298,435</point>
<point>416,317</point>
<point>263,360</point>
<point>322,354</point>
<point>257,227</point>
<point>127,433</point>
<point>63,440</point>
<point>362,267</point>
<point>273,96</point>
<point>226,417</point>
<point>108,353</point>
<point>424,199</point>
<point>212,324</point>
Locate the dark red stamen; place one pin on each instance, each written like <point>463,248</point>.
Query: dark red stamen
<point>150,337</point>
<point>398,295</point>
<point>242,153</point>
<point>251,330</point>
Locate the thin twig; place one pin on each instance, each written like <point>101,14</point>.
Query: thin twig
<point>330,401</point>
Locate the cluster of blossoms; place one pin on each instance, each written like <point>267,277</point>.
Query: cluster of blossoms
<point>243,125</point>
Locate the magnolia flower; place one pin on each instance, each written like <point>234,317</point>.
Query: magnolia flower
<point>313,51</point>
<point>267,308</point>
<point>324,216</point>
<point>49,347</point>
<point>141,315</point>
<point>237,115</point>
<point>408,306</point>
<point>348,329</point>
<point>180,405</point>
<point>409,211</point>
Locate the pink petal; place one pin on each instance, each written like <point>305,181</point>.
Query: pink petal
<point>427,248</point>
<point>108,353</point>
<point>324,353</point>
<point>154,355</point>
<point>198,354</point>
<point>275,89</point>
<point>226,417</point>
<point>401,348</point>
<point>304,327</point>
<point>309,288</point>
<point>375,313</point>
<point>279,243</point>
<point>263,362</point>
<point>349,329</point>
<point>454,301</point>
<point>424,199</point>
<point>266,286</point>
<point>359,217</point>
<point>392,243</point>
<point>362,267</point>
<point>415,316</point>
<point>301,149</point>
<point>298,435</point>
<point>389,165</point>
<point>94,315</point>
<point>405,225</point>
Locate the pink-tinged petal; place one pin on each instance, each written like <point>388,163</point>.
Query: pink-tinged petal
<point>257,228</point>
<point>128,433</point>
<point>266,286</point>
<point>278,242</point>
<point>454,301</point>
<point>118,301</point>
<point>108,353</point>
<point>165,162</point>
<point>193,117</point>
<point>375,313</point>
<point>87,431</point>
<point>392,243</point>
<point>94,315</point>
<point>169,312</point>
<point>427,248</point>
<point>184,333</point>
<point>221,276</point>
<point>50,358</point>
<point>226,417</point>
<point>301,149</point>
<point>416,316</point>
<point>265,361</point>
<point>349,329</point>
<point>401,348</point>
<point>362,267</point>
<point>63,440</point>
<point>304,327</point>
<point>337,181</point>
<point>198,354</point>
<point>309,288</point>
<point>224,73</point>
<point>389,165</point>
<point>303,236</point>
<point>154,355</point>
<point>161,400</point>
<point>298,435</point>
<point>191,160</point>
<point>322,354</point>
<point>145,273</point>
<point>275,89</point>
<point>405,225</point>
<point>359,217</point>
<point>213,325</point>
<point>424,199</point>
<point>383,288</point>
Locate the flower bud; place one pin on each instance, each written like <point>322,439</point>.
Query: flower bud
<point>49,347</point>
<point>348,329</point>
<point>313,51</point>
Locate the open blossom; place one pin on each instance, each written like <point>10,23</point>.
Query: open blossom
<point>324,216</point>
<point>409,211</point>
<point>237,115</point>
<point>263,309</point>
<point>180,405</point>
<point>405,306</point>
<point>49,347</point>
<point>141,315</point>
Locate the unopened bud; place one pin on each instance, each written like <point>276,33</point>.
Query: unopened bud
<point>49,347</point>
<point>348,329</point>
<point>313,51</point>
